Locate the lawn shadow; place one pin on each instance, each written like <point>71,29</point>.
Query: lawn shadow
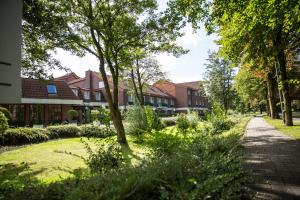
<point>14,177</point>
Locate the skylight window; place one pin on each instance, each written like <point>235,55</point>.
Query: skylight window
<point>51,89</point>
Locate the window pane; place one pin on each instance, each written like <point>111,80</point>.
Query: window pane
<point>54,113</point>
<point>36,114</point>
<point>51,89</point>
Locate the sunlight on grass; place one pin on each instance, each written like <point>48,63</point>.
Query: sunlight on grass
<point>293,131</point>
<point>49,163</point>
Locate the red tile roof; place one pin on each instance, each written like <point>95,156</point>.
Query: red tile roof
<point>193,84</point>
<point>33,88</point>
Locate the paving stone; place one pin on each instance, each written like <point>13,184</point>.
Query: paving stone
<point>274,159</point>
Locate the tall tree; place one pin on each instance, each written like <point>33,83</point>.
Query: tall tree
<point>243,25</point>
<point>110,30</point>
<point>219,77</point>
<point>143,73</point>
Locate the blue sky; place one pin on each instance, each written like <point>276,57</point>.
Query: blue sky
<point>188,67</point>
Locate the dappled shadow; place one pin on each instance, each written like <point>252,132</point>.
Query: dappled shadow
<point>274,160</point>
<point>14,177</point>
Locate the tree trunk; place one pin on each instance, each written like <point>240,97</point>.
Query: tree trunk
<point>142,102</point>
<point>114,109</point>
<point>268,107</point>
<point>285,89</point>
<point>272,96</point>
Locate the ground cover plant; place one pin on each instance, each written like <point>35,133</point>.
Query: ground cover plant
<point>169,164</point>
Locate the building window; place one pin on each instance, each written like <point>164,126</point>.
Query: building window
<point>189,92</point>
<point>54,114</point>
<point>75,91</point>
<point>17,115</point>
<point>101,84</point>
<point>98,96</point>
<point>190,102</point>
<point>166,102</point>
<point>158,101</point>
<point>36,114</point>
<point>152,100</point>
<point>130,99</point>
<point>51,89</point>
<point>172,102</point>
<point>86,94</point>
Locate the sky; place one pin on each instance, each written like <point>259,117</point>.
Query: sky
<point>188,67</point>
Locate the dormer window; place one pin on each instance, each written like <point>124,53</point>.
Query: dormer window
<point>75,91</point>
<point>51,89</point>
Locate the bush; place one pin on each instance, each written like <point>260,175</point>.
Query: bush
<point>193,120</point>
<point>96,131</point>
<point>105,158</point>
<point>73,114</point>
<point>136,121</point>
<point>63,131</point>
<point>219,120</point>
<point>169,122</point>
<point>154,122</point>
<point>3,123</point>
<point>20,136</point>
<point>6,113</point>
<point>182,122</point>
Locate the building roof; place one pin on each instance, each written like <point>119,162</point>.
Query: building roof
<point>156,92</point>
<point>67,77</point>
<point>33,88</point>
<point>193,84</point>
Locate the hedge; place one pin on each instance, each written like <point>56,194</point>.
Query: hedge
<point>20,136</point>
<point>63,131</point>
<point>96,131</point>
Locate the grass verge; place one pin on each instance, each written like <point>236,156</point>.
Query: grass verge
<point>293,131</point>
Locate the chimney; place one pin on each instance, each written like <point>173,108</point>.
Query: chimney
<point>89,80</point>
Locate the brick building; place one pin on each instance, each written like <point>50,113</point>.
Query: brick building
<point>42,103</point>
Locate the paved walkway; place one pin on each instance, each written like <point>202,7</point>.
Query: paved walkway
<point>275,161</point>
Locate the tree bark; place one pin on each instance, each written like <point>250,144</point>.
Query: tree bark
<point>142,102</point>
<point>285,89</point>
<point>271,85</point>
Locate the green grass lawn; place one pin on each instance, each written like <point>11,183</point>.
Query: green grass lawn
<point>293,131</point>
<point>48,161</point>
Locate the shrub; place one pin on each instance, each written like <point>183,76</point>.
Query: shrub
<point>169,122</point>
<point>104,116</point>
<point>193,119</point>
<point>154,122</point>
<point>73,114</point>
<point>3,123</point>
<point>105,158</point>
<point>20,136</point>
<point>136,121</point>
<point>182,122</point>
<point>63,131</point>
<point>6,113</point>
<point>96,131</point>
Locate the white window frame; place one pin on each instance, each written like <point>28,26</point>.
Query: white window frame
<point>98,96</point>
<point>86,94</point>
<point>152,100</point>
<point>75,91</point>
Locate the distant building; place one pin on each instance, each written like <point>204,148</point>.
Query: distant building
<point>47,102</point>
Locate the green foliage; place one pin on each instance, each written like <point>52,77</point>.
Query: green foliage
<point>136,121</point>
<point>219,120</point>
<point>3,123</point>
<point>20,136</point>
<point>106,157</point>
<point>183,168</point>
<point>193,119</point>
<point>182,122</point>
<point>73,114</point>
<point>6,113</point>
<point>169,122</point>
<point>96,131</point>
<point>63,131</point>
<point>104,116</point>
<point>153,121</point>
